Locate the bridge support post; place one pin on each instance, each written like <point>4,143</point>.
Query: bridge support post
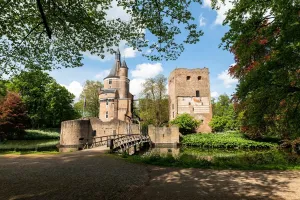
<point>111,144</point>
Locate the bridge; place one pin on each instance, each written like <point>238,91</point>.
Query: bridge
<point>121,142</point>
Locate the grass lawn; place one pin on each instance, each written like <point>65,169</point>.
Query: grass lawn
<point>41,134</point>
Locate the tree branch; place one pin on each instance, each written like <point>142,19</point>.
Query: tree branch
<point>40,7</point>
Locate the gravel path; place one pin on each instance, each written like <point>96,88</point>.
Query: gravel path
<point>78,175</point>
<point>94,175</point>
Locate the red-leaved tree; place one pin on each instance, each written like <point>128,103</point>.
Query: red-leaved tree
<point>13,117</point>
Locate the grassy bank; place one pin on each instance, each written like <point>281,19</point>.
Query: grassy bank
<point>41,134</point>
<point>29,145</point>
<point>224,140</point>
<point>270,160</point>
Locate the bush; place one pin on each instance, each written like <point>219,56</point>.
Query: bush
<point>224,140</point>
<point>186,123</point>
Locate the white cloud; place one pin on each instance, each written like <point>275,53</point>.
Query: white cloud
<point>202,20</point>
<point>227,79</point>
<point>206,3</point>
<point>116,12</point>
<point>141,73</point>
<point>221,12</point>
<point>147,70</point>
<point>130,52</point>
<point>214,94</point>
<point>75,88</point>
<point>102,74</point>
<point>136,86</point>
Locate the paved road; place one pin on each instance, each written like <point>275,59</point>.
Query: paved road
<point>94,175</point>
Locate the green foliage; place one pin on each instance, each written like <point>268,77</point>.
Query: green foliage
<point>41,135</point>
<point>153,107</point>
<point>224,140</point>
<point>13,117</point>
<point>264,37</point>
<point>224,116</point>
<point>186,123</point>
<point>91,95</point>
<point>47,102</point>
<point>54,34</point>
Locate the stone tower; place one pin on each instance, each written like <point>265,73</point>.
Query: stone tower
<point>115,98</point>
<point>189,92</point>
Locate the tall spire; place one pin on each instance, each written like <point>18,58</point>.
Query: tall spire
<point>118,55</point>
<point>124,64</point>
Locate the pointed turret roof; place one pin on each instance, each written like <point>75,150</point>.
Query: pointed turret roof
<point>114,70</point>
<point>124,65</point>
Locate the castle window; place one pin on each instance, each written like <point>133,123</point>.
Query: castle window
<point>173,115</point>
<point>197,93</point>
<point>199,78</point>
<point>172,106</point>
<point>106,115</point>
<point>188,78</point>
<point>107,102</point>
<point>109,81</point>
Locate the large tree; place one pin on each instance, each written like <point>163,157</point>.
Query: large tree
<point>265,39</point>
<point>153,104</point>
<point>90,95</point>
<point>55,33</point>
<point>47,102</point>
<point>13,117</point>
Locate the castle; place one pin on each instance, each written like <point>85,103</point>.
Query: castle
<point>115,98</point>
<point>189,92</point>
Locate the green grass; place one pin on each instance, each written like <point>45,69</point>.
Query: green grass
<point>29,145</point>
<point>41,134</point>
<point>225,141</point>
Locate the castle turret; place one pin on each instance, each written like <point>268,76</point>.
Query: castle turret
<point>124,82</point>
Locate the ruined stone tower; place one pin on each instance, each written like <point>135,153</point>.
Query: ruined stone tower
<point>115,98</point>
<point>189,92</point>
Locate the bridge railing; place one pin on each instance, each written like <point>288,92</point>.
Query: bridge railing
<point>105,140</point>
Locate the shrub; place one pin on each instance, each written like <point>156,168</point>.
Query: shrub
<point>186,123</point>
<point>13,117</point>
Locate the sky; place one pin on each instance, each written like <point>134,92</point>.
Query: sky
<point>205,53</point>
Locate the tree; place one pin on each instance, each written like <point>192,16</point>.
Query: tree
<point>224,116</point>
<point>47,102</point>
<point>91,95</point>
<point>153,105</point>
<point>53,34</point>
<point>264,37</point>
<point>187,124</point>
<point>13,117</point>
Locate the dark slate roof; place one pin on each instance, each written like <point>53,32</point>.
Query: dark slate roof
<point>124,65</point>
<point>113,71</point>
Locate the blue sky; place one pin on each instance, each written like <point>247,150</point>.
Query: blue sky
<point>206,53</point>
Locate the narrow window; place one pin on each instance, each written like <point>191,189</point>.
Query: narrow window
<point>106,115</point>
<point>189,103</point>
<point>173,115</point>
<point>173,106</point>
<point>107,102</point>
<point>197,93</point>
<point>109,81</point>
<point>199,78</point>
<point>188,78</point>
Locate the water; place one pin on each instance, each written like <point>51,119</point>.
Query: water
<point>29,145</point>
<point>221,158</point>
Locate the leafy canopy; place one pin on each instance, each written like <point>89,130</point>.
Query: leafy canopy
<point>265,39</point>
<point>48,34</point>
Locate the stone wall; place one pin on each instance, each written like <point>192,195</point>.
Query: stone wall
<point>183,87</point>
<point>74,133</point>
<point>73,130</point>
<point>163,135</point>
